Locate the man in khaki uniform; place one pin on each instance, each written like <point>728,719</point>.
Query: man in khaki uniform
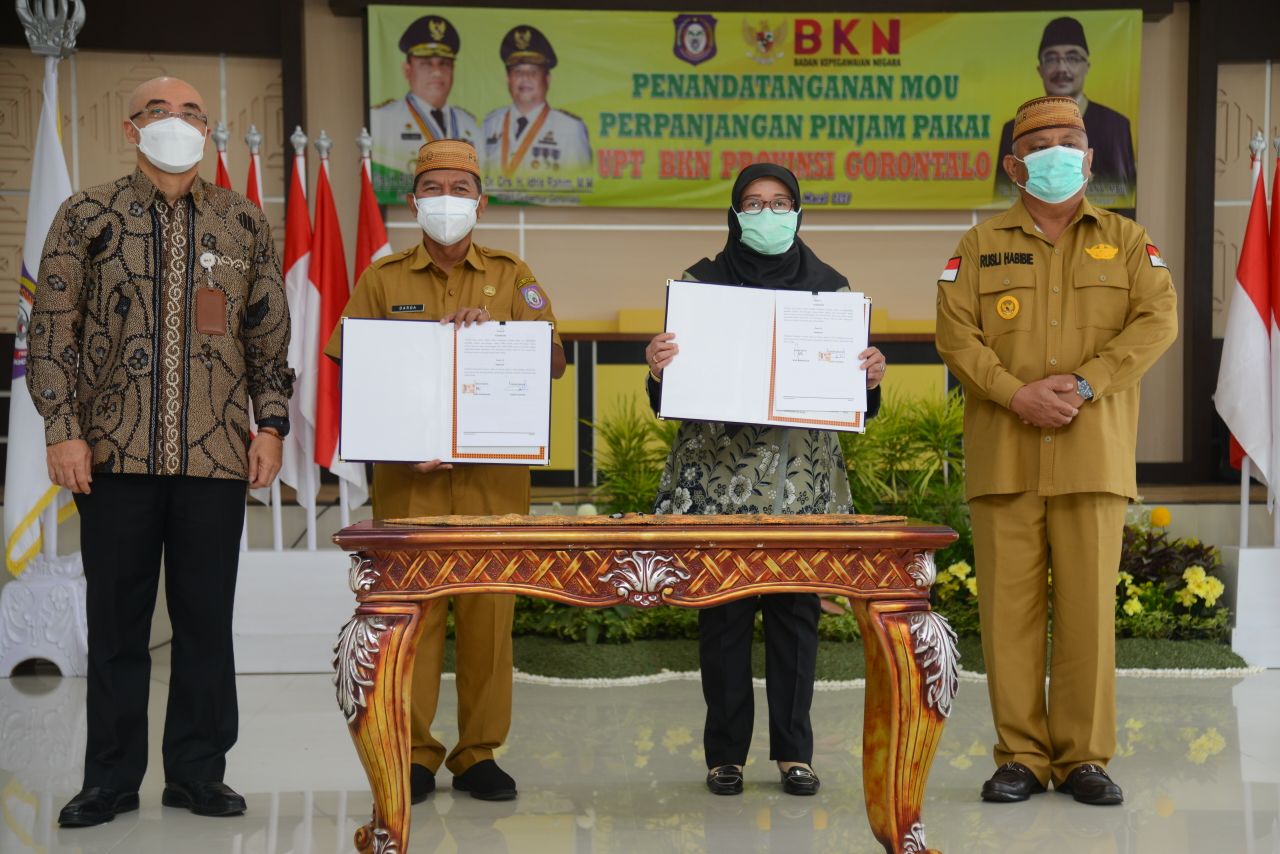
<point>1049,314</point>
<point>448,277</point>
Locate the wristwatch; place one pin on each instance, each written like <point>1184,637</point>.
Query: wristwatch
<point>1083,388</point>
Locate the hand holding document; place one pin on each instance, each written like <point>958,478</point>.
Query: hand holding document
<point>755,356</point>
<point>421,390</point>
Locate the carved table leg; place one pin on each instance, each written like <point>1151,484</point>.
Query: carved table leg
<point>374,664</point>
<point>911,679</point>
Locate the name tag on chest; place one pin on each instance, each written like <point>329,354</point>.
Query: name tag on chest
<point>407,308</point>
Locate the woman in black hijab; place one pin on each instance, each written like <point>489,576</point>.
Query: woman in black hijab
<point>735,468</point>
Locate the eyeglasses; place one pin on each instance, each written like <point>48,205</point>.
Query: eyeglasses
<point>1071,60</point>
<point>778,206</point>
<point>155,114</point>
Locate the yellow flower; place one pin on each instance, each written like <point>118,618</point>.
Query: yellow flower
<point>1215,589</point>
<point>1131,590</point>
<point>960,569</point>
<point>1161,517</point>
<point>971,584</point>
<point>1186,597</point>
<point>1126,578</point>
<point>1193,573</point>
<point>1132,606</point>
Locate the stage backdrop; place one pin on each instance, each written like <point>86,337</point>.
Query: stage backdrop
<point>656,109</point>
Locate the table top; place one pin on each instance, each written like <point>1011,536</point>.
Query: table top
<point>643,531</point>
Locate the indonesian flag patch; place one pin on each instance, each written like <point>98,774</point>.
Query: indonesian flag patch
<point>952,269</point>
<point>1153,255</point>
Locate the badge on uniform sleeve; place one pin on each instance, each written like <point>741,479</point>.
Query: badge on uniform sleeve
<point>533,296</point>
<point>950,271</point>
<point>1154,256</point>
<point>1102,251</point>
<point>1008,306</point>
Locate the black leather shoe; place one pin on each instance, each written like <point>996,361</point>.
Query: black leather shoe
<point>422,782</point>
<point>799,780</point>
<point>96,805</point>
<point>1089,784</point>
<point>725,780</point>
<point>203,797</point>
<point>1012,782</point>
<point>486,781</point>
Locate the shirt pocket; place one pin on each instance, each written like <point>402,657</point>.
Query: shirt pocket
<point>1007,298</point>
<point>1101,296</point>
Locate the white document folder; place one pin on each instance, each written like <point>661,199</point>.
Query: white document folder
<point>749,356</point>
<point>419,390</point>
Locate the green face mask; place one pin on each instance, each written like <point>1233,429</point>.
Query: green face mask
<point>767,232</point>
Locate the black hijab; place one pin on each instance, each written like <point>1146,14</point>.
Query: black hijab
<point>797,269</point>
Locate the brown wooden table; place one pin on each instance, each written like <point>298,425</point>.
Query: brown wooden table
<point>885,568</point>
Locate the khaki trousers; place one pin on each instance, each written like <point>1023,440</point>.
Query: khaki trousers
<point>1016,539</point>
<point>481,621</point>
<point>482,640</point>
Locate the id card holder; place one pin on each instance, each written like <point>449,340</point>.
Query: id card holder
<point>211,303</point>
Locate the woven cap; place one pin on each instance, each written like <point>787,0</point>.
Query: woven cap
<point>1052,111</point>
<point>447,154</point>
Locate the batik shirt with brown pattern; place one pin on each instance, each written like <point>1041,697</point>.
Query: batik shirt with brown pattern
<point>116,358</point>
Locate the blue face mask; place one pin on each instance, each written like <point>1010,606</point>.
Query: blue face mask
<point>1054,174</point>
<point>767,232</point>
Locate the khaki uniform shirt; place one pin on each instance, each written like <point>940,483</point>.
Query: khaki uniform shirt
<point>116,356</point>
<point>1098,303</point>
<point>408,285</point>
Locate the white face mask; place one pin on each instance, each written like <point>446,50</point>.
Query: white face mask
<point>446,219</point>
<point>171,145</point>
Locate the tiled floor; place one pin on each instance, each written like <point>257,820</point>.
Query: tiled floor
<point>620,770</point>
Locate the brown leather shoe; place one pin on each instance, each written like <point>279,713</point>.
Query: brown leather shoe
<point>1089,784</point>
<point>1011,783</point>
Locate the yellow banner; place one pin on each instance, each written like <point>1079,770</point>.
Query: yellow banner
<point>656,109</point>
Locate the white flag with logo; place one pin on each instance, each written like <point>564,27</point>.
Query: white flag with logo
<point>27,489</point>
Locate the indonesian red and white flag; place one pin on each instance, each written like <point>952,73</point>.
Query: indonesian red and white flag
<point>253,187</point>
<point>1275,334</point>
<point>298,468</point>
<point>329,277</point>
<point>1243,398</point>
<point>223,178</point>
<point>950,271</point>
<point>371,233</point>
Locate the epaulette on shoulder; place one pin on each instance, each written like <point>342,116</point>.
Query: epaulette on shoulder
<point>394,256</point>
<point>493,252</point>
<point>384,103</point>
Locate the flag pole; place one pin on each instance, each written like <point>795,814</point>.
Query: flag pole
<point>1245,466</point>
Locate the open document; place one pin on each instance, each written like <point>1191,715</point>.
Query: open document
<point>415,390</point>
<point>755,356</point>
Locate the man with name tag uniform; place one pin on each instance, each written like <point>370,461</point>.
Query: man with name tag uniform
<point>1049,314</point>
<point>450,278</point>
<point>528,137</point>
<point>160,317</point>
<point>400,126</point>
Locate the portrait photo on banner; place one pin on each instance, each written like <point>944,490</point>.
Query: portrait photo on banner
<point>891,111</point>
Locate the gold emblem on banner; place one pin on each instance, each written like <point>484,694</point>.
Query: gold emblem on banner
<point>1102,251</point>
<point>1007,307</point>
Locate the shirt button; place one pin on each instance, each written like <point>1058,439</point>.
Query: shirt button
<point>1057,251</point>
<point>1056,289</point>
<point>1102,278</point>
<point>1006,281</point>
<point>1053,361</point>
<point>1048,439</point>
<point>1053,323</point>
<point>452,292</point>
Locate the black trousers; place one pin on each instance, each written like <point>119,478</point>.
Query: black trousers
<point>126,523</point>
<point>791,656</point>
